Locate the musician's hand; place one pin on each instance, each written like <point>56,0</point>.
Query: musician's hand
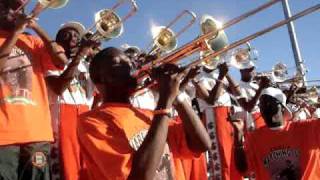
<point>223,70</point>
<point>169,77</point>
<point>32,24</point>
<point>22,22</point>
<point>264,82</point>
<point>193,72</point>
<point>88,46</point>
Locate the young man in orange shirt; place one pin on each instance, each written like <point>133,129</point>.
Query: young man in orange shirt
<point>283,149</point>
<point>119,141</point>
<point>70,94</point>
<point>25,124</point>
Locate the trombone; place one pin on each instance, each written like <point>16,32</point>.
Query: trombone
<point>200,43</point>
<point>257,34</point>
<point>109,24</point>
<point>165,40</point>
<point>41,6</point>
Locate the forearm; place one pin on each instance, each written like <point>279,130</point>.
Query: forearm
<point>215,92</point>
<point>235,88</point>
<point>8,45</point>
<point>196,134</point>
<point>239,153</point>
<point>146,159</point>
<point>57,54</point>
<point>60,83</point>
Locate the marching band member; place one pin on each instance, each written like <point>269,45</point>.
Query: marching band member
<point>282,149</point>
<point>25,131</point>
<point>70,93</point>
<point>119,141</point>
<point>249,96</point>
<point>215,102</point>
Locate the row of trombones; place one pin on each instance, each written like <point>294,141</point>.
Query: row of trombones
<point>213,43</point>
<point>210,44</point>
<point>107,23</point>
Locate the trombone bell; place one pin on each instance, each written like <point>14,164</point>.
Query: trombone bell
<point>166,40</point>
<point>217,42</point>
<point>108,24</point>
<point>54,4</point>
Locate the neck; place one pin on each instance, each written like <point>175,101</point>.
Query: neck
<point>116,98</point>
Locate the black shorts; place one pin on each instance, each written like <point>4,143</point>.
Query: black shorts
<point>25,161</point>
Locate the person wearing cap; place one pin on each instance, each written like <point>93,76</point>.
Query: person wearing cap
<point>25,130</point>
<point>282,149</point>
<point>215,104</point>
<point>70,93</point>
<point>249,95</point>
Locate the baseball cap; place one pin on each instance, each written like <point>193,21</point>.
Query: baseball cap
<point>74,25</point>
<point>279,95</point>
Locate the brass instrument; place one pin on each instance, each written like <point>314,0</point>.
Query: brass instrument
<point>42,5</point>
<point>257,34</point>
<point>278,74</point>
<point>165,40</point>
<point>108,24</point>
<point>218,41</point>
<point>200,43</point>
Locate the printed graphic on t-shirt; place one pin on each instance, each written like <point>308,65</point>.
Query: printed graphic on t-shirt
<point>283,164</point>
<point>165,169</point>
<point>16,78</point>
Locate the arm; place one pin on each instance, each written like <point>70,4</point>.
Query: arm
<point>235,88</point>
<point>239,151</point>
<point>11,41</point>
<point>58,84</point>
<point>248,105</point>
<point>146,160</point>
<point>59,59</point>
<point>196,134</point>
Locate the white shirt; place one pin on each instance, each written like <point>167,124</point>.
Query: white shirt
<point>209,81</point>
<point>144,99</point>
<point>248,91</point>
<point>79,92</point>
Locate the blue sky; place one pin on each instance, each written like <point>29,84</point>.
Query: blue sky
<point>273,47</point>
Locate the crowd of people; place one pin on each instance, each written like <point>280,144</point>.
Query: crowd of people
<point>72,110</point>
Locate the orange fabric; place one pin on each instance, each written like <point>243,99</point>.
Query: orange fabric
<point>69,144</point>
<point>288,153</point>
<point>223,164</point>
<point>24,109</point>
<point>109,134</point>
<point>194,168</point>
<point>258,120</point>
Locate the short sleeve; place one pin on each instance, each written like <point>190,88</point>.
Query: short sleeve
<point>44,55</point>
<point>178,143</point>
<point>104,148</point>
<point>207,83</point>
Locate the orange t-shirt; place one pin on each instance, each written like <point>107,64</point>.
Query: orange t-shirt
<point>288,153</point>
<point>110,134</point>
<point>24,109</point>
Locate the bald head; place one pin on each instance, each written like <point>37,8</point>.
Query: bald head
<point>111,70</point>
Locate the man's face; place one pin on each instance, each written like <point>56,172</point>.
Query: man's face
<point>271,110</point>
<point>247,74</point>
<point>69,38</point>
<point>118,71</point>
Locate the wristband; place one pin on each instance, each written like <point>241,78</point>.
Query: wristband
<point>162,112</point>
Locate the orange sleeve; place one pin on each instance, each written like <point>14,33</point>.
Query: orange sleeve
<point>44,55</point>
<point>178,143</point>
<point>104,148</point>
